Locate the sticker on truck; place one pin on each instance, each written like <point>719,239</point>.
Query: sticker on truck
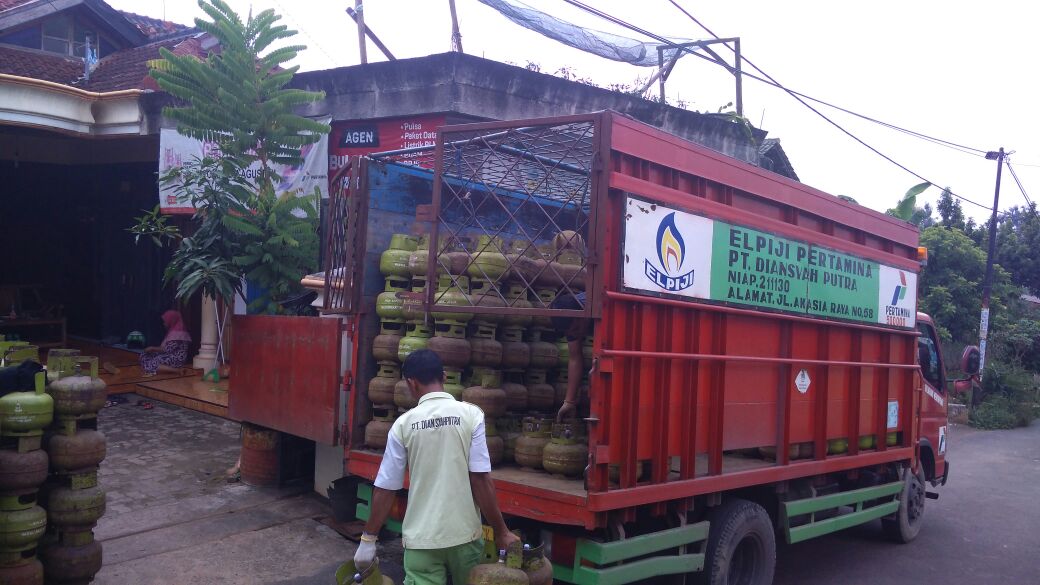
<point>942,440</point>
<point>673,252</point>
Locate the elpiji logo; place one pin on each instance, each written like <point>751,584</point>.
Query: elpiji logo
<point>900,292</point>
<point>671,253</point>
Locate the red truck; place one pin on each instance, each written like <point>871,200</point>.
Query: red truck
<point>759,368</point>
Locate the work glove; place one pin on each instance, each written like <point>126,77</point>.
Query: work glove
<point>365,555</point>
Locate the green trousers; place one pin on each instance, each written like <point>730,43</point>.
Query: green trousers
<point>432,566</point>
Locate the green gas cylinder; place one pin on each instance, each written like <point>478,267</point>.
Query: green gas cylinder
<point>26,413</point>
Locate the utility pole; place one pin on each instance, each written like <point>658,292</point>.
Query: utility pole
<point>360,10</point>
<point>456,36</point>
<point>987,283</point>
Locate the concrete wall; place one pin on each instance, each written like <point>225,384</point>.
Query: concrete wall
<point>468,85</point>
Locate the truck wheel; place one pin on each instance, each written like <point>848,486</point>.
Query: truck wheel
<point>741,545</point>
<point>907,521</point>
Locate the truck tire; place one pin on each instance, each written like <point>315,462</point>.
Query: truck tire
<point>741,545</point>
<point>906,524</point>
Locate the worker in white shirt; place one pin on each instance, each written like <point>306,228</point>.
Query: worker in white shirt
<point>441,444</point>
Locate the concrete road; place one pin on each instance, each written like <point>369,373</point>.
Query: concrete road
<point>984,528</point>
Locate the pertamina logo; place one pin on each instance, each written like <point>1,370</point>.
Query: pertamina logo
<point>671,252</point>
<point>894,314</point>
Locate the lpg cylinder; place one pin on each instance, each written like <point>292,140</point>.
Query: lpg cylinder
<point>67,507</point>
<point>489,262</point>
<point>484,376</point>
<point>540,396</point>
<point>560,387</point>
<point>543,354</point>
<point>388,304</point>
<point>403,397</point>
<point>495,443</point>
<point>538,568</point>
<point>505,572</point>
<point>521,256</point>
<point>86,448</point>
<point>22,471</point>
<point>563,352</point>
<point>29,572</point>
<point>614,471</point>
<point>866,442</point>
<point>486,350</point>
<point>386,346</point>
<point>69,563</point>
<point>516,395</point>
<point>487,395</point>
<point>586,349</point>
<point>484,294</point>
<point>394,261</point>
<point>378,428</point>
<point>543,299</point>
<point>569,270</point>
<point>381,390</point>
<point>450,253</point>
<point>892,439</point>
<point>411,306</point>
<point>60,363</point>
<point>509,430</point>
<point>26,413</point>
<point>530,446</point>
<point>451,293</point>
<point>566,454</point>
<point>516,353</point>
<point>259,462</point>
<point>453,382</point>
<point>22,522</point>
<point>454,352</point>
<point>544,276</point>
<point>837,446</point>
<point>417,337</point>
<point>515,296</point>
<point>82,392</point>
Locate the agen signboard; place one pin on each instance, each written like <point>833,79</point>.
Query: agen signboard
<point>356,138</point>
<point>670,251</point>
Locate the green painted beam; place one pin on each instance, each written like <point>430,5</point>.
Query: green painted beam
<point>363,510</point>
<point>821,527</point>
<point>603,553</point>
<point>631,572</point>
<point>810,505</point>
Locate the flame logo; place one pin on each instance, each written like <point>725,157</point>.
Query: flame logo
<point>671,249</point>
<point>900,292</point>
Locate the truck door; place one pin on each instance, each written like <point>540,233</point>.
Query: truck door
<point>933,402</point>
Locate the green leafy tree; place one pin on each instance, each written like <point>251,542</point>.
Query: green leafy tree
<point>1018,245</point>
<point>238,99</point>
<point>951,215</point>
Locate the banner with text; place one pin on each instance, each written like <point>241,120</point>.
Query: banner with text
<point>176,149</point>
<point>674,252</point>
<point>354,138</point>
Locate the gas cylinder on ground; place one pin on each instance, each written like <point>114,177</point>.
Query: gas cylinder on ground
<point>507,571</point>
<point>27,571</point>
<point>22,470</point>
<point>71,508</point>
<point>516,353</point>
<point>487,392</point>
<point>542,299</point>
<point>495,443</point>
<point>386,344</point>
<point>417,337</point>
<point>451,292</point>
<point>394,261</point>
<point>515,296</point>
<point>521,256</point>
<point>450,344</point>
<point>70,557</point>
<point>378,428</point>
<point>22,522</point>
<point>544,354</point>
<point>82,449</point>
<point>487,351</point>
<point>81,393</point>
<point>60,362</point>
<point>530,447</point>
<point>411,304</point>
<point>388,304</point>
<point>538,568</point>
<point>566,453</point>
<point>259,461</point>
<point>403,396</point>
<point>453,382</point>
<point>25,414</point>
<point>489,262</point>
<point>540,395</point>
<point>381,387</point>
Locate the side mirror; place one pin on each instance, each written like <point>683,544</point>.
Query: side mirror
<point>970,360</point>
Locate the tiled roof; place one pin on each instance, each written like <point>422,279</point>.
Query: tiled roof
<point>9,4</point>
<point>129,69</point>
<point>39,65</point>
<point>153,28</point>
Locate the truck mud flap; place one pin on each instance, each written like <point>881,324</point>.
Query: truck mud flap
<point>591,558</point>
<point>868,504</point>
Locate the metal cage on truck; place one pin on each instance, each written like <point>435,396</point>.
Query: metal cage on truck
<point>691,380</point>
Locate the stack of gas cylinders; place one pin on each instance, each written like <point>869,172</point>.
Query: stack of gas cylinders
<point>495,358</point>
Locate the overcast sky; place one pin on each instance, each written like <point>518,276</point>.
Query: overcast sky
<point>959,71</point>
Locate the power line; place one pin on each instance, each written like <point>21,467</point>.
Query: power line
<point>770,81</point>
<point>797,97</point>
<point>306,34</point>
<point>1014,175</point>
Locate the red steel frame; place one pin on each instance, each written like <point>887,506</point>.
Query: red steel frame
<point>659,391</point>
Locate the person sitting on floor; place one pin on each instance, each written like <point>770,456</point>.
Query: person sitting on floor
<point>169,358</point>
